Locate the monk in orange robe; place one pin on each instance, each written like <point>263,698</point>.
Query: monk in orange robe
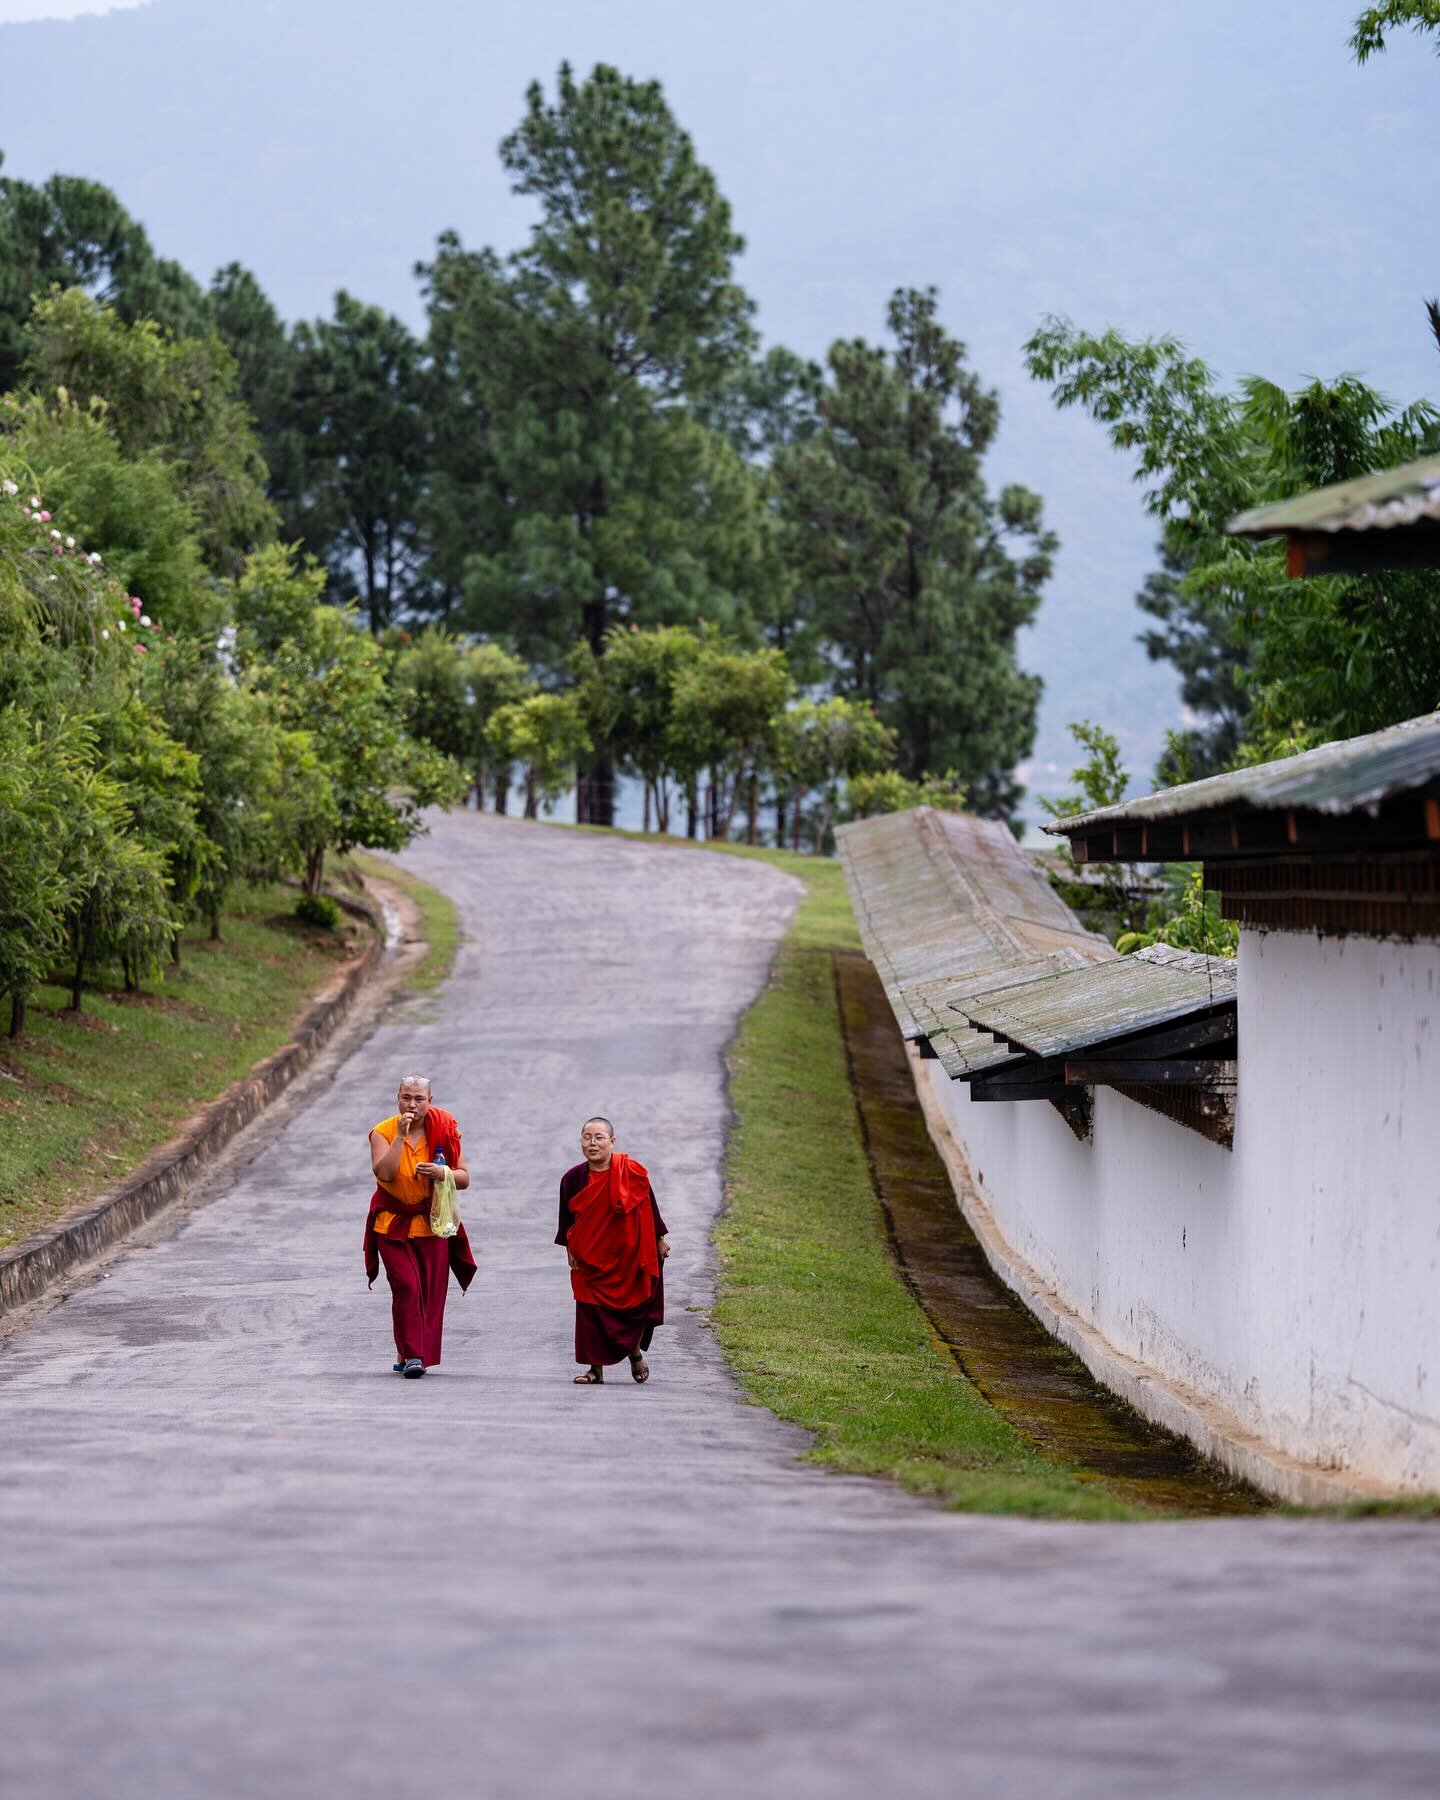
<point>616,1243</point>
<point>408,1153</point>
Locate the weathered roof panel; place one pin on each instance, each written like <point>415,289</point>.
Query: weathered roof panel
<point>942,898</point>
<point>1351,775</point>
<point>1074,1008</point>
<point>1405,496</point>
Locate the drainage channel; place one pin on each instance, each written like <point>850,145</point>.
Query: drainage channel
<point>1038,1385</point>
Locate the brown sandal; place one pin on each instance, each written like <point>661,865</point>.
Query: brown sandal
<point>639,1368</point>
<point>591,1378</point>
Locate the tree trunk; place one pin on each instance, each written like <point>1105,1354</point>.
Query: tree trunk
<point>779,817</point>
<point>532,797</point>
<point>646,827</point>
<point>799,806</point>
<point>175,948</point>
<point>502,790</point>
<point>215,925</point>
<point>127,971</point>
<point>77,981</point>
<point>752,809</point>
<point>600,791</point>
<point>692,808</point>
<point>17,1012</point>
<point>314,870</point>
<point>662,804</point>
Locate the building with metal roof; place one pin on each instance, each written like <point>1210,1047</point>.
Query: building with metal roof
<point>1230,1206</point>
<point>989,972</point>
<point>1388,520</point>
<point>1345,837</point>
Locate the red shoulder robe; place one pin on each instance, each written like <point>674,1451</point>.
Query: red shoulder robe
<point>443,1133</point>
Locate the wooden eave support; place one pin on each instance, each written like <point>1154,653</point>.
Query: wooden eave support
<point>1405,821</point>
<point>1311,553</point>
<point>1174,1071</point>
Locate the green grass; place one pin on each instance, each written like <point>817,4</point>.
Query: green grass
<point>812,1311</point>
<point>84,1101</point>
<point>438,912</point>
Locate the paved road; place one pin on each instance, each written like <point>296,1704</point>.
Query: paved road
<point>239,1558</point>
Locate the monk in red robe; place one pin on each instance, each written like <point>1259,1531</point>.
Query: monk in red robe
<point>616,1242</point>
<point>405,1153</point>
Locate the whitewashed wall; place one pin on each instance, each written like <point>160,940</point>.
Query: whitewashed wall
<point>1294,1281</point>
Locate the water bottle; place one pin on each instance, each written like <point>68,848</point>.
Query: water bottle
<point>439,1157</point>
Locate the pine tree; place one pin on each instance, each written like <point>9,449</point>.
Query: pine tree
<point>920,578</point>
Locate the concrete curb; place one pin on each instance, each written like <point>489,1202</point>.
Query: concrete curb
<point>28,1268</point>
<point>1215,1432</point>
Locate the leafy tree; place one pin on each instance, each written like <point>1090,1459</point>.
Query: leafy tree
<point>1187,918</point>
<point>629,699</point>
<point>128,508</point>
<point>326,678</point>
<point>727,715</point>
<point>579,357</point>
<point>825,745</point>
<point>888,791</point>
<point>547,733</point>
<point>265,358</point>
<point>494,677</point>
<point>40,771</point>
<point>174,396</point>
<point>356,395</point>
<point>1118,902</point>
<point>428,677</point>
<point>1201,638</point>
<point>70,232</point>
<point>119,908</point>
<point>1375,24</point>
<point>1339,656</point>
<point>248,778</point>
<point>909,558</point>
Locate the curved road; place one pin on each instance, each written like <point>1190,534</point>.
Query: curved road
<point>239,1558</point>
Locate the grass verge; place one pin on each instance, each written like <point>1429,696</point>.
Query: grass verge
<point>812,1311</point>
<point>437,910</point>
<point>85,1099</point>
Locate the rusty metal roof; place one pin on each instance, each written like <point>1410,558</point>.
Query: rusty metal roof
<point>1408,495</point>
<point>1350,775</point>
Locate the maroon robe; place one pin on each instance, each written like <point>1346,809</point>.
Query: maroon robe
<point>605,1334</point>
<point>419,1269</point>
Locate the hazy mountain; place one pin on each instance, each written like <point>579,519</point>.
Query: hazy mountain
<point>1222,171</point>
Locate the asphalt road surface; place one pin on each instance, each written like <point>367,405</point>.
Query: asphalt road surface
<point>238,1557</point>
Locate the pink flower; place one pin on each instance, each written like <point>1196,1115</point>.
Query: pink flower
<point>141,649</point>
<point>44,518</point>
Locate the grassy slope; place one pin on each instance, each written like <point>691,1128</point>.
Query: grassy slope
<point>82,1102</point>
<point>811,1311</point>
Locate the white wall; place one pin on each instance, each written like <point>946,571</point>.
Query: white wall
<point>1295,1280</point>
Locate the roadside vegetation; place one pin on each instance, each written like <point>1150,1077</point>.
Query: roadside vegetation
<point>84,1100</point>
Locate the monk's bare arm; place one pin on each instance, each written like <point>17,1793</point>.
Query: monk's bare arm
<point>385,1157</point>
<point>462,1174</point>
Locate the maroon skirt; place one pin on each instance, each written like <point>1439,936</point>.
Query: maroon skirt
<point>605,1335</point>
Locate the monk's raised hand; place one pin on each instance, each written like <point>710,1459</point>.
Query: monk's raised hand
<point>664,1248</point>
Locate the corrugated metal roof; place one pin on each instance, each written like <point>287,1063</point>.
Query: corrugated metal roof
<point>942,898</point>
<point>1074,1008</point>
<point>1350,775</point>
<point>981,958</point>
<point>1409,495</point>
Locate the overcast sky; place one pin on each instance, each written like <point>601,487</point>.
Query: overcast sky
<point>1216,168</point>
